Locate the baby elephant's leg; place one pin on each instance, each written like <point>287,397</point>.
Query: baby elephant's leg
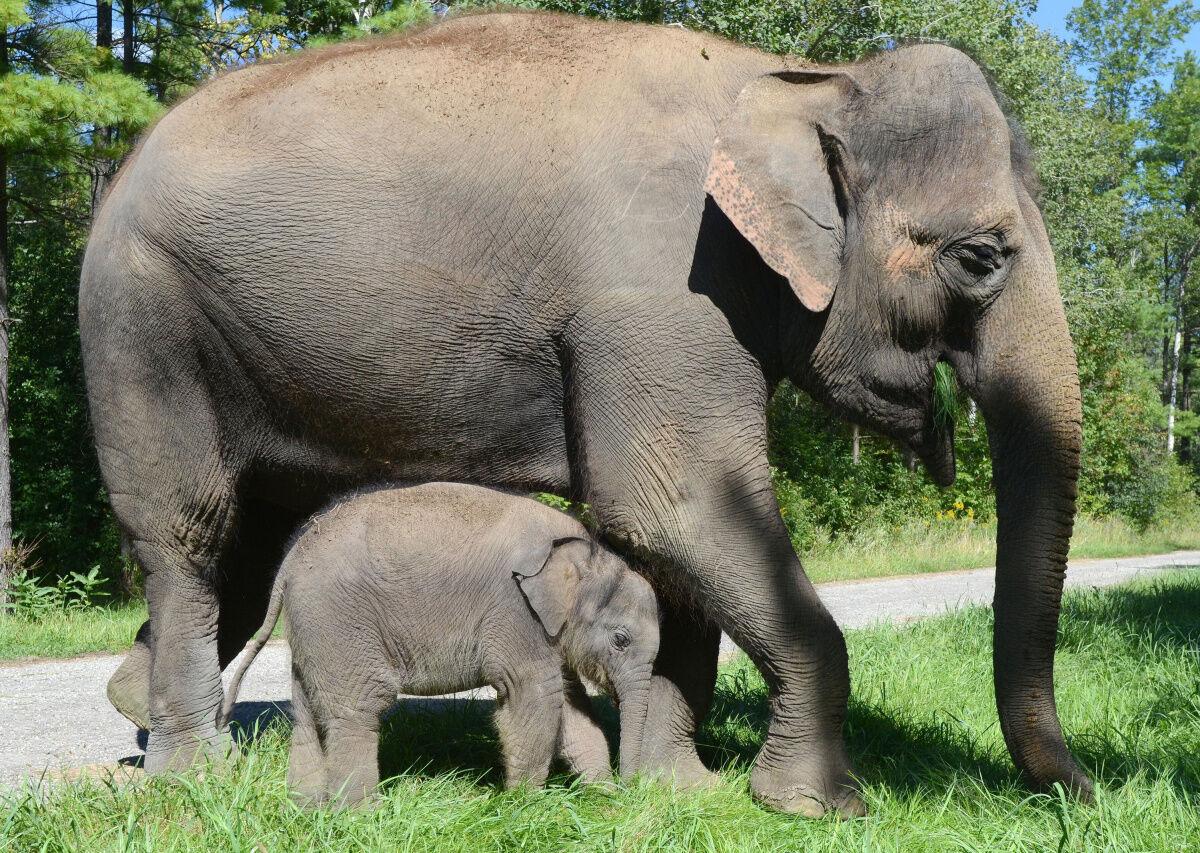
<point>349,722</point>
<point>528,717</point>
<point>582,744</point>
<point>306,765</point>
<point>351,759</point>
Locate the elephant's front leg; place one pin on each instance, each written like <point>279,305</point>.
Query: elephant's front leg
<point>671,454</point>
<point>581,742</point>
<point>529,718</point>
<point>728,547</point>
<point>685,674</point>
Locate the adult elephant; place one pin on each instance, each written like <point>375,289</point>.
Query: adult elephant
<point>506,249</point>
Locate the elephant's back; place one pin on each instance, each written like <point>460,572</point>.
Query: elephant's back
<point>464,74</point>
<point>536,93</point>
<point>396,233</point>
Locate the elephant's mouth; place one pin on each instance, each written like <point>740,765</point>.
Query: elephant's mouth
<point>935,448</point>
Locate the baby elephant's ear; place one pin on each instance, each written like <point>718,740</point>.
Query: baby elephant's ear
<point>553,584</point>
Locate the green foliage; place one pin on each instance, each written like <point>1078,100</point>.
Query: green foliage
<point>1124,44</point>
<point>825,496</point>
<point>388,20</point>
<point>58,497</point>
<point>28,598</point>
<point>58,85</point>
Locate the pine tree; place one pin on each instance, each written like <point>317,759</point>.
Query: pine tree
<point>55,92</point>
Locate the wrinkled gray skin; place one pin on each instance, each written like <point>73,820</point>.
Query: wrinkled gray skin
<point>444,587</point>
<point>485,252</point>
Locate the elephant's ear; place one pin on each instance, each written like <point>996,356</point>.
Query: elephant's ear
<point>551,584</point>
<point>777,173</point>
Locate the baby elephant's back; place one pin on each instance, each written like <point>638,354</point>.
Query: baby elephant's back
<point>422,573</point>
<point>431,521</point>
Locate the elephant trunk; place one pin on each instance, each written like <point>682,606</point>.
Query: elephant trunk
<point>1024,377</point>
<point>633,699</point>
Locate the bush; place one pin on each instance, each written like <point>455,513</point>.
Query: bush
<point>28,599</point>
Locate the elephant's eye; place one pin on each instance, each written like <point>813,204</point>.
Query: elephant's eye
<point>979,259</point>
<point>621,639</point>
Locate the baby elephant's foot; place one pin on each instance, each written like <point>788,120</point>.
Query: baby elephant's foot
<point>522,778</point>
<point>307,800</point>
<point>207,749</point>
<point>593,774</point>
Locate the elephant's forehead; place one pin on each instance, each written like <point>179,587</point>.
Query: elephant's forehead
<point>925,217</point>
<point>932,129</point>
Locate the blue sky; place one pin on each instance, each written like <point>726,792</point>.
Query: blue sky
<point>1052,15</point>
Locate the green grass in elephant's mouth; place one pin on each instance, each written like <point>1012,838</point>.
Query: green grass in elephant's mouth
<point>922,730</point>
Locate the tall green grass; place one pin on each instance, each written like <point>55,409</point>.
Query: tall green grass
<point>922,730</point>
<point>71,632</point>
<point>944,546</point>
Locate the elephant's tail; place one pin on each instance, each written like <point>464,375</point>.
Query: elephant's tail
<point>253,646</point>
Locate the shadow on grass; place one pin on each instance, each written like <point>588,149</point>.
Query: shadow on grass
<point>895,750</point>
<point>421,736</point>
<point>1156,613</point>
<point>429,737</point>
<point>887,750</point>
<point>1153,620</point>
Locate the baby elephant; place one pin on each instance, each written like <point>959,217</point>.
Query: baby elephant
<point>443,587</point>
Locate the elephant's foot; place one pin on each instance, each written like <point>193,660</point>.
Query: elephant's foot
<point>680,767</point>
<point>809,795</point>
<point>129,688</point>
<point>184,751</point>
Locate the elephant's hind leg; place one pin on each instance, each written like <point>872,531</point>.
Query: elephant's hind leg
<point>173,480</point>
<point>306,763</point>
<point>348,685</point>
<point>245,574</point>
<point>185,678</point>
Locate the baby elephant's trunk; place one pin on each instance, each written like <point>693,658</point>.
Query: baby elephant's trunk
<point>633,696</point>
<point>252,648</point>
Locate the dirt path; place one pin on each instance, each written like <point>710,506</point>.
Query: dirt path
<point>54,714</point>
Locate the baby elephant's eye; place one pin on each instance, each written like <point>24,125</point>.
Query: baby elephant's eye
<point>621,639</point>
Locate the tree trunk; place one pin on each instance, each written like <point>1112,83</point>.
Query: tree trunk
<point>1166,338</point>
<point>128,48</point>
<point>854,451</point>
<point>1173,389</point>
<point>1176,349</point>
<point>103,168</point>
<point>6,540</point>
<point>1185,385</point>
<point>104,19</point>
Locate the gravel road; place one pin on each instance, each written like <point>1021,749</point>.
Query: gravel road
<point>56,717</point>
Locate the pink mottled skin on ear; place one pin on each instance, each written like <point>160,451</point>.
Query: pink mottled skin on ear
<point>754,221</point>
